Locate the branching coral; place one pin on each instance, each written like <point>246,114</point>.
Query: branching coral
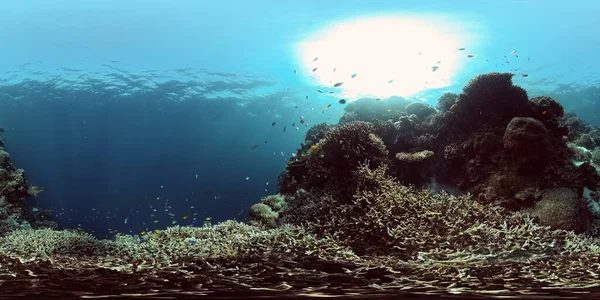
<point>337,155</point>
<point>387,218</point>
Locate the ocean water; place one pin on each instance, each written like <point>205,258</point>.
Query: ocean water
<point>139,116</point>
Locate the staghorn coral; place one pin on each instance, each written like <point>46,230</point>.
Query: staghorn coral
<point>415,156</point>
<point>387,218</point>
<point>46,242</point>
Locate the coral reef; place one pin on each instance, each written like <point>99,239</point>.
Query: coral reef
<point>15,209</point>
<point>353,210</point>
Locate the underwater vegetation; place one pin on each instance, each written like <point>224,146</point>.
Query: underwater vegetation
<point>490,193</point>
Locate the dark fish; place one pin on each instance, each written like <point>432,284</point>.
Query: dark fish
<point>306,97</point>
<point>273,124</point>
<point>391,81</point>
<point>315,59</point>
<point>302,121</point>
<point>296,106</point>
<point>266,142</point>
<point>294,71</point>
<point>353,75</point>
<point>294,124</point>
<point>338,84</point>
<point>315,69</point>
<point>334,69</point>
<point>471,55</point>
<point>320,91</point>
<point>342,101</point>
<point>284,128</point>
<point>439,62</point>
<point>516,56</point>
<point>378,99</point>
<point>434,68</point>
<point>460,49</point>
<point>328,105</point>
<point>253,146</point>
<point>524,75</point>
<point>529,59</point>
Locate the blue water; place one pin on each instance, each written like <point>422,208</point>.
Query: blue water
<point>120,108</point>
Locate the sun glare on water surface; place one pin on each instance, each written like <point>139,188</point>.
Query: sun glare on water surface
<point>382,56</point>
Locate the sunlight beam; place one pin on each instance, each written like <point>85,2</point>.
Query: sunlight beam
<point>402,49</point>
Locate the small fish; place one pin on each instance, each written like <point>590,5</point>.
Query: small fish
<point>439,62</point>
<point>306,97</point>
<point>254,146</point>
<point>314,69</point>
<point>338,84</point>
<point>192,242</point>
<point>313,147</point>
<point>516,56</point>
<point>524,75</point>
<point>328,105</point>
<point>378,99</point>
<point>353,75</point>
<point>247,178</point>
<point>302,121</point>
<point>320,91</point>
<point>315,58</point>
<point>334,69</point>
<point>389,110</point>
<point>391,81</point>
<point>434,68</point>
<point>266,141</point>
<point>125,221</point>
<point>342,101</point>
<point>284,128</point>
<point>545,112</point>
<point>294,124</point>
<point>528,59</point>
<point>185,217</point>
<point>513,52</point>
<point>471,55</point>
<point>143,232</point>
<point>461,49</point>
<point>294,71</point>
<point>273,124</point>
<point>329,93</point>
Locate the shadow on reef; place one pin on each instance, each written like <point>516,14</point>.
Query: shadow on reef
<point>492,193</point>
